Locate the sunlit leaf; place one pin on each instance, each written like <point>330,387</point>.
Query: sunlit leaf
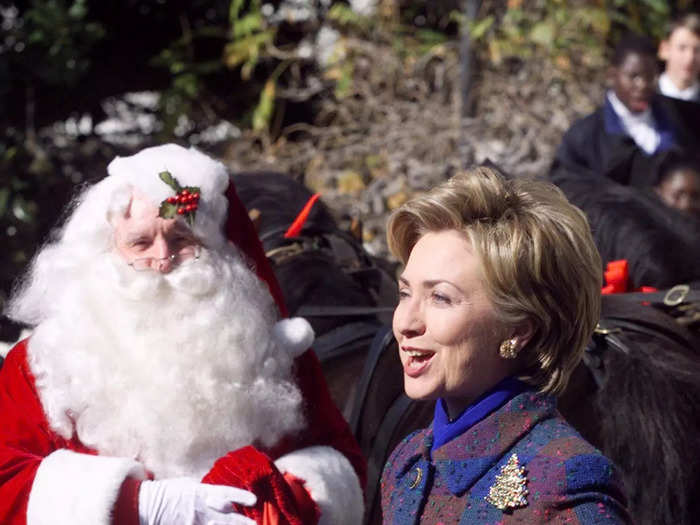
<point>344,83</point>
<point>245,49</point>
<point>345,16</point>
<point>247,25</point>
<point>263,111</point>
<point>234,10</point>
<point>478,29</point>
<point>249,66</point>
<point>543,33</point>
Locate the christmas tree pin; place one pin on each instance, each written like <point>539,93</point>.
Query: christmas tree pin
<point>508,491</point>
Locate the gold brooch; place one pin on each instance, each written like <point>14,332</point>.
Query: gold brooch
<point>508,491</point>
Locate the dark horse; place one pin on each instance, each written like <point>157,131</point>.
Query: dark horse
<point>325,275</point>
<point>661,244</point>
<point>636,395</point>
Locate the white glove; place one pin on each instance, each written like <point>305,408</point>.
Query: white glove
<point>186,501</point>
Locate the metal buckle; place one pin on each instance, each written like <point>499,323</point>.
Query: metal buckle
<point>600,330</point>
<point>282,253</point>
<point>676,295</point>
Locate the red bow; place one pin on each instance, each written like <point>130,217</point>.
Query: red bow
<point>617,279</point>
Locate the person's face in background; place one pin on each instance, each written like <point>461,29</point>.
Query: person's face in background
<point>634,81</point>
<point>680,189</point>
<point>681,51</point>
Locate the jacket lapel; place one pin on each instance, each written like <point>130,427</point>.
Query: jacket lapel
<point>467,458</point>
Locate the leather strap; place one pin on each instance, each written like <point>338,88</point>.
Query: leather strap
<point>336,311</point>
<point>380,452</point>
<point>344,339</point>
<point>382,339</point>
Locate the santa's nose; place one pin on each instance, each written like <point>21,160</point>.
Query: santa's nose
<point>162,256</point>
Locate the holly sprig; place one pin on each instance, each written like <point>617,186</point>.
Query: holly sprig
<point>185,202</point>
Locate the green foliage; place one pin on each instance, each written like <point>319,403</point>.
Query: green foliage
<point>53,39</point>
<point>246,51</point>
<point>570,34</point>
<point>262,115</point>
<point>345,18</point>
<point>647,17</point>
<point>31,195</point>
<point>343,84</point>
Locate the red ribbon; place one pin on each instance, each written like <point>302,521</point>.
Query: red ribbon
<point>617,279</point>
<point>298,223</point>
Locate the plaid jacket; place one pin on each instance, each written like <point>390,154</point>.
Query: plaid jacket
<point>567,480</point>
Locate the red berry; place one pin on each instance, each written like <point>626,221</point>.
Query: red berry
<point>185,192</point>
<point>172,200</point>
<point>188,208</point>
<point>196,196</point>
<point>180,211</point>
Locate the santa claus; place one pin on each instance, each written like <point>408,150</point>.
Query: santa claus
<point>158,385</point>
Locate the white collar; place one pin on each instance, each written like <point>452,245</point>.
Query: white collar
<point>641,127</point>
<point>627,117</point>
<point>668,88</point>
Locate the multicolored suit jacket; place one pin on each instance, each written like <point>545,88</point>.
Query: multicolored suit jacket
<point>523,458</point>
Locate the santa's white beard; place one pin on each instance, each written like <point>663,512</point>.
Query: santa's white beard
<point>174,370</point>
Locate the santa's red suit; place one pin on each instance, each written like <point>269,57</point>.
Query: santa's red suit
<point>48,479</point>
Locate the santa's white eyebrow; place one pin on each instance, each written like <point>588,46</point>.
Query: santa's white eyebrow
<point>135,236</point>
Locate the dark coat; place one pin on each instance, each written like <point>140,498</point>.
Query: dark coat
<point>598,146</point>
<point>568,480</point>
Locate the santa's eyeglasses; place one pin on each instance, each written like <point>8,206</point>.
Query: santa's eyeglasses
<point>183,256</point>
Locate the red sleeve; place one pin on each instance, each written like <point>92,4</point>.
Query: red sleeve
<point>126,509</point>
<point>24,435</point>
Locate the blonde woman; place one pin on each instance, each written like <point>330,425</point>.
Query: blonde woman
<point>499,295</point>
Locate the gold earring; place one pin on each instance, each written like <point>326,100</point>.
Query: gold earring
<point>509,349</point>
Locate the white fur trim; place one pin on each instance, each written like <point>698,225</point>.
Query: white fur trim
<point>295,335</point>
<point>331,481</point>
<point>78,489</point>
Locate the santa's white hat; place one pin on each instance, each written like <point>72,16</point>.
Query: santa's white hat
<point>189,167</point>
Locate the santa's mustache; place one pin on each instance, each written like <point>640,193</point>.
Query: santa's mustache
<point>196,277</point>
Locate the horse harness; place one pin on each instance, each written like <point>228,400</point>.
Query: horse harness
<point>343,249</point>
<point>610,328</point>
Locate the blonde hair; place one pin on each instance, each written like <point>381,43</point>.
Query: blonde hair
<point>537,254</point>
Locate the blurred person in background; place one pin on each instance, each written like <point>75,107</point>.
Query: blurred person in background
<point>680,50</point>
<point>678,185</point>
<point>620,139</point>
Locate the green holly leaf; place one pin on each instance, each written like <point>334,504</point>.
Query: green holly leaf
<point>171,181</point>
<point>192,189</point>
<point>167,210</point>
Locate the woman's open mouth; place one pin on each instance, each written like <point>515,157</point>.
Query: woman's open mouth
<point>417,362</point>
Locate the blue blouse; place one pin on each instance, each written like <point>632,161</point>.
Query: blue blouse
<point>445,430</point>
